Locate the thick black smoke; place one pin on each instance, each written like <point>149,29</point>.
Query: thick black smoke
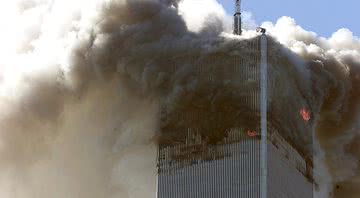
<point>334,69</point>
<point>84,122</point>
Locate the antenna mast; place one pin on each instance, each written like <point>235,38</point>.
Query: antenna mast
<point>237,18</point>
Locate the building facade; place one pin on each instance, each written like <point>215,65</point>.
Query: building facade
<point>224,157</point>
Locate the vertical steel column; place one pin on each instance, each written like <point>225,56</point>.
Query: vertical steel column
<point>157,169</point>
<point>263,110</point>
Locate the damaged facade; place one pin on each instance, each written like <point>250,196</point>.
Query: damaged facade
<point>210,140</point>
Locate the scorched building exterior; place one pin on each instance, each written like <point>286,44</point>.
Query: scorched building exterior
<point>226,147</point>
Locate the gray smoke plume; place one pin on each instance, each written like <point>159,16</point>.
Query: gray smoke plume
<point>334,67</point>
<point>80,91</point>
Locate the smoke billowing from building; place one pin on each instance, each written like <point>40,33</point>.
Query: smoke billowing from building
<point>80,83</point>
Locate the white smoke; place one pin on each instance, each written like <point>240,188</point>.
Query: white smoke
<point>61,136</point>
<point>78,116</point>
<point>196,13</point>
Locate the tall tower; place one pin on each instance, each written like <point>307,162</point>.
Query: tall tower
<point>237,18</point>
<point>232,145</point>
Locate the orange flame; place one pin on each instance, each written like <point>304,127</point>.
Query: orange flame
<point>251,133</point>
<point>305,114</point>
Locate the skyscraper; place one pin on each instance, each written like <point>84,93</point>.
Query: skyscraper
<point>222,144</point>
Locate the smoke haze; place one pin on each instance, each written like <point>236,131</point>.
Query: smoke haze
<point>80,84</point>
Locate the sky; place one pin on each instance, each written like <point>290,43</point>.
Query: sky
<point>321,16</point>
